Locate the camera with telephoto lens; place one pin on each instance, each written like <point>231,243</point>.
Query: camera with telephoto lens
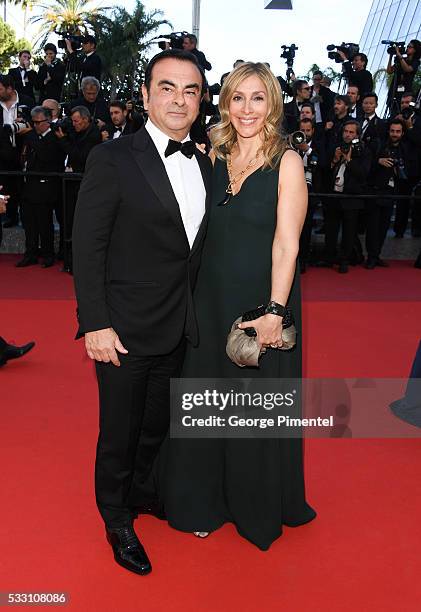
<point>355,145</point>
<point>174,40</point>
<point>75,40</point>
<point>398,164</point>
<point>297,138</point>
<point>349,49</point>
<point>393,45</point>
<point>409,111</point>
<point>65,125</point>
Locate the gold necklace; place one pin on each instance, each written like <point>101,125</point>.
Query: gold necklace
<point>234,179</point>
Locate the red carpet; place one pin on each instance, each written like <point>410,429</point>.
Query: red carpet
<point>361,553</point>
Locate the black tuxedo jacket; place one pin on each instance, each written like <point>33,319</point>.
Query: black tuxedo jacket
<point>53,88</point>
<point>10,155</point>
<point>375,131</point>
<point>43,155</point>
<point>355,180</point>
<point>84,65</point>
<point>132,263</point>
<point>291,117</point>
<point>130,128</point>
<point>28,90</point>
<point>326,103</point>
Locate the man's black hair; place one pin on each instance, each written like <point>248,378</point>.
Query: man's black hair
<point>7,81</point>
<point>309,104</point>
<point>298,84</point>
<point>370,94</point>
<point>307,120</point>
<point>89,39</point>
<point>406,94</point>
<point>180,54</point>
<point>397,122</point>
<point>417,46</point>
<point>117,104</point>
<point>50,47</point>
<point>318,72</point>
<point>344,98</point>
<point>24,51</point>
<point>352,122</point>
<point>363,57</point>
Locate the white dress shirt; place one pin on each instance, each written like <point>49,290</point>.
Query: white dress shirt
<point>186,181</point>
<point>10,114</point>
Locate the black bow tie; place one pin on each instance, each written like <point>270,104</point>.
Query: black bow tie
<point>187,148</point>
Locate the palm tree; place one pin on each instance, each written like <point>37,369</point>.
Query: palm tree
<point>64,16</point>
<point>123,40</point>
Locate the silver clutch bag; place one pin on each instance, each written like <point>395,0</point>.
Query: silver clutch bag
<point>242,346</point>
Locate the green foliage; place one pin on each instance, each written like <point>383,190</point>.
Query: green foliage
<point>123,40</point>
<point>10,46</point>
<point>329,72</point>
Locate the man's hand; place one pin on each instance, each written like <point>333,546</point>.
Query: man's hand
<point>69,46</point>
<point>59,133</point>
<point>100,123</point>
<point>338,155</point>
<point>387,162</point>
<point>103,344</point>
<point>409,123</point>
<point>329,125</point>
<point>342,56</point>
<point>104,135</point>
<point>3,201</point>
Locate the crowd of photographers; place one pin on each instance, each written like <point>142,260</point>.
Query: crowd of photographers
<point>362,163</point>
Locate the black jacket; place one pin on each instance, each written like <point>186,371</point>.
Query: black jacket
<point>53,88</point>
<point>360,78</point>
<point>84,65</point>
<point>130,128</point>
<point>98,109</point>
<point>132,264</point>
<point>355,180</point>
<point>201,59</point>
<point>375,131</point>
<point>43,154</point>
<point>327,98</point>
<point>291,116</point>
<point>9,154</point>
<point>78,145</point>
<point>380,175</point>
<point>28,89</point>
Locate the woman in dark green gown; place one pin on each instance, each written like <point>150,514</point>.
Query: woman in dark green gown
<point>257,484</point>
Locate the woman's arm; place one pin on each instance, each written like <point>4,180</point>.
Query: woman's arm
<point>291,213</point>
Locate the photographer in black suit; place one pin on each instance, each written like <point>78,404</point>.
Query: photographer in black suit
<point>190,45</point>
<point>313,154</point>
<point>350,169</point>
<point>372,127</point>
<point>334,125</point>
<point>404,69</point>
<point>138,234</point>
<point>24,77</point>
<point>302,93</point>
<point>91,98</point>
<point>14,118</point>
<point>42,153</point>
<point>322,99</point>
<point>50,76</point>
<point>356,72</point>
<point>394,165</point>
<point>121,124</point>
<point>87,64</point>
<point>77,142</point>
<point>356,111</point>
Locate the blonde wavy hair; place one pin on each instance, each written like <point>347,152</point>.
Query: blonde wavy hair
<point>223,136</point>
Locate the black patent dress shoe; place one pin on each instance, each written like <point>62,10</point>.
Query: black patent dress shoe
<point>381,263</point>
<point>128,551</point>
<point>343,268</point>
<point>48,262</point>
<point>14,352</point>
<point>27,261</point>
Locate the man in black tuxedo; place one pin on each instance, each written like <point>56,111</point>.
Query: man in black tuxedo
<point>92,99</point>
<point>322,98</point>
<point>356,72</point>
<point>190,45</point>
<point>50,76</point>
<point>77,143</point>
<point>138,233</point>
<point>12,127</point>
<point>350,169</point>
<point>87,64</point>
<point>292,109</point>
<point>373,129</point>
<point>42,153</point>
<point>121,124</point>
<point>24,78</point>
<point>356,111</point>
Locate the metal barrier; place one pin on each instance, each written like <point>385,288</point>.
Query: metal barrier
<point>75,176</point>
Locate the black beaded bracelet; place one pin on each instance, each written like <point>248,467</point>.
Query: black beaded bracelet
<point>275,308</point>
